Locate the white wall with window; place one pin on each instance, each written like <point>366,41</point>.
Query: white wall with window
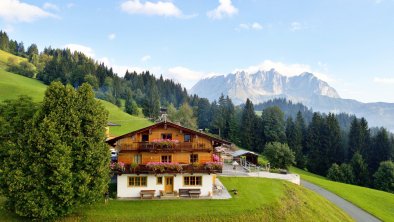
<point>130,185</point>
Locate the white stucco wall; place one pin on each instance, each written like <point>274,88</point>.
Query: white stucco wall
<point>125,191</point>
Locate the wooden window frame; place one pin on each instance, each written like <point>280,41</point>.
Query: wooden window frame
<point>134,178</point>
<point>140,158</point>
<point>190,183</point>
<point>190,138</point>
<point>157,181</point>
<point>142,137</point>
<point>193,160</point>
<point>161,158</point>
<point>166,136</point>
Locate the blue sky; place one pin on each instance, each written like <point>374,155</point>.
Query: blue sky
<point>348,43</point>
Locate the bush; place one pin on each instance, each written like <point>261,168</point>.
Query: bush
<point>279,155</point>
<point>384,177</point>
<point>343,173</point>
<point>24,68</point>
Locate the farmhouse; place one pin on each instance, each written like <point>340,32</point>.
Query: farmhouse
<point>166,159</point>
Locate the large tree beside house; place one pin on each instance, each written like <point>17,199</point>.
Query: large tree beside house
<point>54,159</point>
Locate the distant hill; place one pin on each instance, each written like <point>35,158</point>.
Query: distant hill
<point>304,88</point>
<point>13,85</point>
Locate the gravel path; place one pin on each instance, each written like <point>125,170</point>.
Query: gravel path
<point>355,212</point>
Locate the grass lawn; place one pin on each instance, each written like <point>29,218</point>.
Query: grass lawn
<point>128,122</point>
<point>13,85</point>
<point>376,202</point>
<point>258,199</point>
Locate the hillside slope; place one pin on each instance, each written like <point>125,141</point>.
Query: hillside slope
<point>4,56</point>
<point>258,199</point>
<point>376,202</point>
<point>13,85</point>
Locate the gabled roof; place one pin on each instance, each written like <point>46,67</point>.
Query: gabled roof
<point>243,152</point>
<point>112,141</point>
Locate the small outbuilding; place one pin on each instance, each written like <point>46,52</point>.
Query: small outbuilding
<point>249,156</point>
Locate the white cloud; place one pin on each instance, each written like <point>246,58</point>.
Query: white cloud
<point>286,69</point>
<point>81,48</point>
<point>257,26</point>
<point>112,36</point>
<point>16,11</point>
<point>254,26</point>
<point>121,69</point>
<point>389,81</point>
<point>145,58</point>
<point>296,26</point>
<point>225,8</point>
<point>50,6</point>
<point>160,8</point>
<point>186,76</point>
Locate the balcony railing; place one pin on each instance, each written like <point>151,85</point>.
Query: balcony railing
<point>157,147</point>
<point>207,168</point>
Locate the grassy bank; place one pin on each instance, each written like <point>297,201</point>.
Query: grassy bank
<point>258,199</point>
<point>376,202</point>
<point>13,85</point>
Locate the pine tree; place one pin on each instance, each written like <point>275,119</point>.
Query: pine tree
<point>203,113</point>
<point>360,170</point>
<point>61,160</point>
<point>246,127</point>
<point>380,150</point>
<point>335,152</point>
<point>151,106</point>
<point>300,134</point>
<point>316,145</point>
<point>4,41</point>
<point>273,125</point>
<point>131,107</point>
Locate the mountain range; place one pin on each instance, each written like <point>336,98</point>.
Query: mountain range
<point>305,88</point>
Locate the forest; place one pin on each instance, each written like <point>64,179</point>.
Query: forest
<point>340,146</point>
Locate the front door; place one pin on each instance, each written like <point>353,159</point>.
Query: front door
<point>169,184</point>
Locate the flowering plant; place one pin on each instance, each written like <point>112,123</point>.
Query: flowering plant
<point>117,166</point>
<point>214,165</point>
<point>161,167</point>
<point>165,142</point>
<point>215,158</point>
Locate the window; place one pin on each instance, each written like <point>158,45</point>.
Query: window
<point>137,181</point>
<point>193,158</point>
<point>166,136</point>
<point>192,180</point>
<point>137,158</point>
<point>187,138</point>
<point>159,180</point>
<point>166,159</point>
<point>145,137</point>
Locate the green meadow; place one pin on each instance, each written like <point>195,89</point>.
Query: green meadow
<point>376,202</point>
<point>258,199</point>
<point>13,85</point>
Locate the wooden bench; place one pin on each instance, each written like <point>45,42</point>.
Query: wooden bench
<point>147,194</point>
<point>189,193</point>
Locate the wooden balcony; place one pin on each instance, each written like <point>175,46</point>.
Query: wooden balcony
<point>174,169</point>
<point>165,148</point>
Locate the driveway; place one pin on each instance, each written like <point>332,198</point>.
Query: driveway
<point>355,212</point>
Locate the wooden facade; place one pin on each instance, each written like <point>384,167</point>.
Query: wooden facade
<point>165,142</point>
